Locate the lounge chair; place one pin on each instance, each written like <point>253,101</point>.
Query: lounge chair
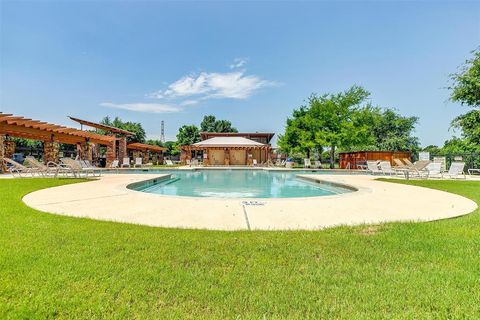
<point>386,168</point>
<point>77,167</point>
<point>456,169</point>
<point>16,168</point>
<point>418,168</point>
<point>87,166</point>
<point>307,163</point>
<point>114,164</point>
<point>138,162</point>
<point>317,164</point>
<point>372,167</point>
<point>51,168</point>
<point>126,162</point>
<point>169,162</point>
<point>434,169</point>
<point>254,162</point>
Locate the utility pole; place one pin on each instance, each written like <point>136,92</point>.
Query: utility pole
<point>162,132</point>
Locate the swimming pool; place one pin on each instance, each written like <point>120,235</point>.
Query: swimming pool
<point>239,184</point>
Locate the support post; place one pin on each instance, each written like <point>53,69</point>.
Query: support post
<point>51,150</point>
<point>2,153</point>
<point>111,153</point>
<point>122,148</point>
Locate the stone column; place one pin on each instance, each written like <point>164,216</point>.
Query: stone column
<point>206,161</point>
<point>111,153</point>
<point>51,151</point>
<point>160,158</point>
<point>146,157</point>
<point>81,150</point>
<point>9,148</point>
<point>155,158</point>
<point>122,148</point>
<point>2,153</point>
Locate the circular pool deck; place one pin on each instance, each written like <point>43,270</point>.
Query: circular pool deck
<point>375,202</point>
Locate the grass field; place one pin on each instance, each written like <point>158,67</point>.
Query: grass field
<point>62,267</point>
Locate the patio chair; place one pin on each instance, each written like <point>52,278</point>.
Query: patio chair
<point>386,168</point>
<point>16,168</point>
<point>317,164</point>
<point>87,166</point>
<point>456,170</point>
<point>372,167</point>
<point>254,162</point>
<point>126,162</point>
<point>77,167</point>
<point>51,168</point>
<point>114,164</point>
<point>434,169</point>
<point>169,162</point>
<point>307,163</point>
<point>138,162</point>
<point>418,168</point>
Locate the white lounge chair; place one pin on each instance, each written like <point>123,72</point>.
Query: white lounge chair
<point>77,167</point>
<point>434,169</point>
<point>317,164</point>
<point>386,168</point>
<point>51,168</point>
<point>254,162</point>
<point>16,168</point>
<point>86,165</point>
<point>126,162</point>
<point>114,164</point>
<point>138,162</point>
<point>456,170</point>
<point>169,162</point>
<point>307,163</point>
<point>372,167</point>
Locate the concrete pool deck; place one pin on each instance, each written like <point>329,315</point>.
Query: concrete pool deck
<point>109,199</point>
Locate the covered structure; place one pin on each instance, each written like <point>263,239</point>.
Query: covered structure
<point>119,150</point>
<point>149,153</point>
<point>351,160</point>
<point>228,149</point>
<point>51,135</point>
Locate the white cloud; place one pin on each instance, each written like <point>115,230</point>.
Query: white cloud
<point>238,63</point>
<point>143,107</point>
<point>234,85</point>
<point>188,102</point>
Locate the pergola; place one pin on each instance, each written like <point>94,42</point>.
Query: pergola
<point>141,150</point>
<point>50,134</point>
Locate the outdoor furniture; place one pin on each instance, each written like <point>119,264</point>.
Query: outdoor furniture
<point>126,162</point>
<point>386,168</point>
<point>114,164</point>
<point>86,165</point>
<point>169,162</point>
<point>434,169</point>
<point>307,163</point>
<point>317,164</point>
<point>254,162</point>
<point>456,170</point>
<point>16,168</point>
<point>372,167</point>
<point>77,167</point>
<point>50,168</point>
<point>138,162</point>
<point>471,171</point>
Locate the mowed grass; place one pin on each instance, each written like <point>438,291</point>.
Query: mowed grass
<point>60,267</point>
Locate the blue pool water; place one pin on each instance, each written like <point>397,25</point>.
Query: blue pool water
<point>239,184</point>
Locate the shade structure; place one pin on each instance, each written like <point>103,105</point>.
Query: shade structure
<point>145,147</point>
<point>21,127</point>
<point>102,127</point>
<point>226,142</point>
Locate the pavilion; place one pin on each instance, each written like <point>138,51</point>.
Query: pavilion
<point>230,148</point>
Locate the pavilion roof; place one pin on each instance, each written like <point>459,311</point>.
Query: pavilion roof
<point>248,135</point>
<point>229,142</point>
<point>21,127</point>
<point>145,147</point>
<point>102,126</point>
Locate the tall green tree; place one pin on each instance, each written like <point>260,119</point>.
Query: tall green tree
<point>134,127</point>
<point>466,82</point>
<point>188,134</point>
<point>211,124</point>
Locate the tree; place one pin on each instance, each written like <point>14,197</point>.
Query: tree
<point>187,135</point>
<point>469,123</point>
<point>333,118</point>
<point>134,127</point>
<point>211,124</point>
<point>466,82</point>
<point>172,148</point>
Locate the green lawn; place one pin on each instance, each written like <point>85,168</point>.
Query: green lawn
<point>55,266</point>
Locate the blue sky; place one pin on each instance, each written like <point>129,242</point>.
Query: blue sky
<point>250,62</point>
